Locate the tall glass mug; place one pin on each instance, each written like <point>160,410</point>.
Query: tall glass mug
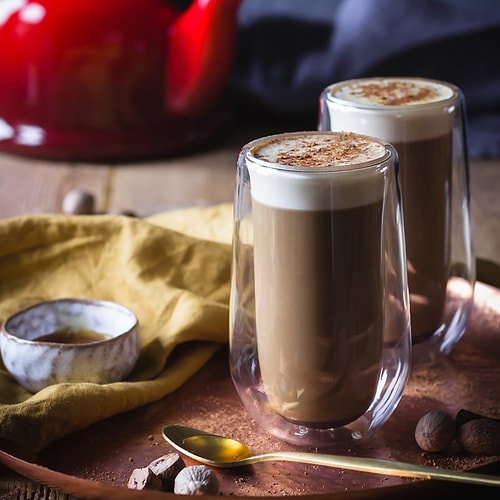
<point>320,339</point>
<point>424,120</point>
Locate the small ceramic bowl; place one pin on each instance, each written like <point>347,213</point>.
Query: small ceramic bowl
<point>70,340</point>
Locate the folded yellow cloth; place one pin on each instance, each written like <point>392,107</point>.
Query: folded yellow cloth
<point>172,270</point>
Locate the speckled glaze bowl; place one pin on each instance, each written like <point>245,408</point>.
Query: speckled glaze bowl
<point>36,364</point>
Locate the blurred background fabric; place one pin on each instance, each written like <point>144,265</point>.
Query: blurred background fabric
<point>289,50</point>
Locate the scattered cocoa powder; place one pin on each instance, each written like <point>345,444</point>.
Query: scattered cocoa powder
<point>321,150</point>
<point>395,93</point>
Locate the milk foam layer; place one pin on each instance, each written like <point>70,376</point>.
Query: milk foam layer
<point>394,109</point>
<point>317,170</point>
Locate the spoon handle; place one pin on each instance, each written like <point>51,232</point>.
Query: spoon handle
<point>378,466</point>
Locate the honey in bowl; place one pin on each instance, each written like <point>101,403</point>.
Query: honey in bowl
<point>70,335</point>
<point>70,340</point>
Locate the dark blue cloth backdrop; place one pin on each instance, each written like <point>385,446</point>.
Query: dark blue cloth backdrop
<point>289,50</point>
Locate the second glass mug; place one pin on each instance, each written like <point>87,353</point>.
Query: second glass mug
<point>425,121</point>
<point>320,337</point>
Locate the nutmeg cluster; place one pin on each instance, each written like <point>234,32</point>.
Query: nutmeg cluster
<point>169,473</point>
<point>476,434</point>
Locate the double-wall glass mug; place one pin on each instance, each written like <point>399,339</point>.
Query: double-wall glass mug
<point>320,336</point>
<point>425,121</point>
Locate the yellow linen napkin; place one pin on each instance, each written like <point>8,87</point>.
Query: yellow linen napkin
<point>176,282</point>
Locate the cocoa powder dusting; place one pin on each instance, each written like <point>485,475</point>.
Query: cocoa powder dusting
<point>395,93</point>
<point>336,149</point>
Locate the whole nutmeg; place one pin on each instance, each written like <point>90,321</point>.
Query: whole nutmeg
<point>435,431</point>
<point>196,480</point>
<point>480,436</point>
<point>78,202</point>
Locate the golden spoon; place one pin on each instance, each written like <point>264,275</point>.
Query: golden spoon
<point>220,451</point>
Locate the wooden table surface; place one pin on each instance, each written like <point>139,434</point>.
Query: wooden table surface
<point>199,178</point>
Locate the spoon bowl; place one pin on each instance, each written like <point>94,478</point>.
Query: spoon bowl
<point>220,451</point>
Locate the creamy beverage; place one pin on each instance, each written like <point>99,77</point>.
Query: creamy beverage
<point>317,202</point>
<point>417,117</point>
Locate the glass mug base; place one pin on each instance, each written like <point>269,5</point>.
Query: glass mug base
<point>438,344</point>
<point>320,435</point>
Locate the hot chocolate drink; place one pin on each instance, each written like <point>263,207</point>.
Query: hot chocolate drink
<point>318,263</point>
<point>417,117</point>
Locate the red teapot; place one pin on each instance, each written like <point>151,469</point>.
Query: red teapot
<point>112,79</point>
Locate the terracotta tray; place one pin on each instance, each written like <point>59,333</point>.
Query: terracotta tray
<point>107,452</point>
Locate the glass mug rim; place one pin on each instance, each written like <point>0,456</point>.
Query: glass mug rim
<point>249,149</point>
<point>444,102</point>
